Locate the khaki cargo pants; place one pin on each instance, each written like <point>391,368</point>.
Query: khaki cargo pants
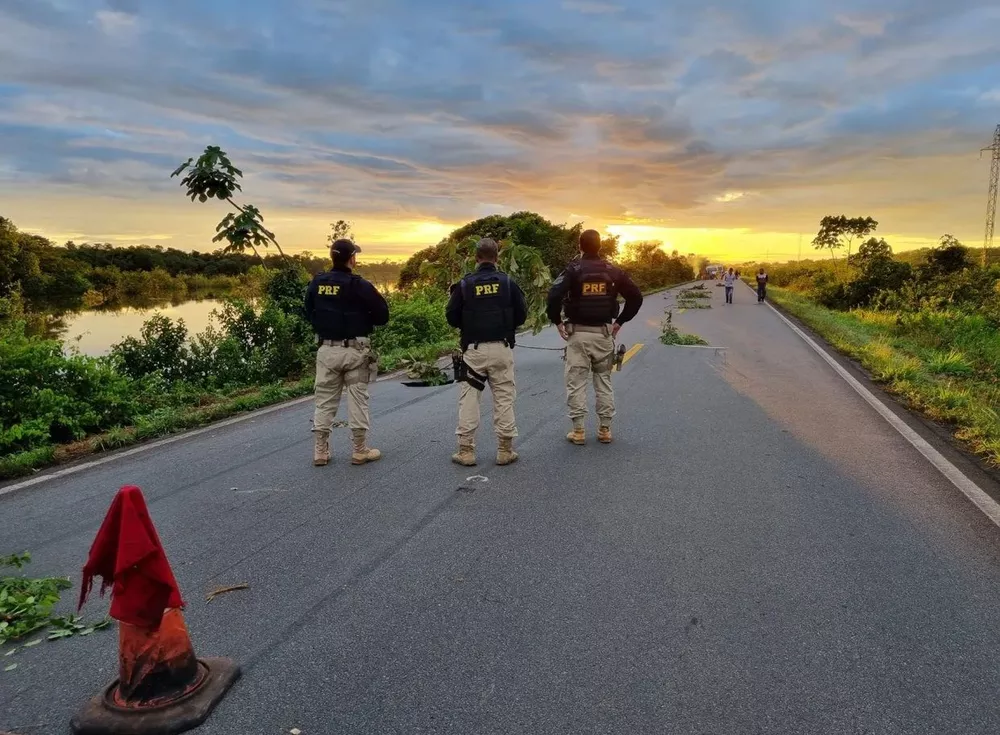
<point>339,367</point>
<point>590,352</point>
<point>495,360</point>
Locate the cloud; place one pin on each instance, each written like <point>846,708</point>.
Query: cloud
<point>115,23</point>
<point>446,110</point>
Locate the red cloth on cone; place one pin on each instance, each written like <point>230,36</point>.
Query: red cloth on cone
<point>129,558</point>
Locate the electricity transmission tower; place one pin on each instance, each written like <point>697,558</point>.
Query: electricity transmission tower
<point>991,204</point>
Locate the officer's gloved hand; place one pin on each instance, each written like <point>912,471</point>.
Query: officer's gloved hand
<point>562,331</point>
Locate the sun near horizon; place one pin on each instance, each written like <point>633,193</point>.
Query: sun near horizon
<point>720,131</point>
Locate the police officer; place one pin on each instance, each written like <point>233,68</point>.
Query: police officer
<point>589,290</point>
<point>343,308</point>
<point>487,306</point>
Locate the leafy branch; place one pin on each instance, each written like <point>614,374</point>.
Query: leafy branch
<point>26,605</point>
<point>423,370</point>
<point>213,176</point>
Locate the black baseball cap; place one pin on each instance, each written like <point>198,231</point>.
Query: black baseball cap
<point>343,249</point>
<point>590,242</point>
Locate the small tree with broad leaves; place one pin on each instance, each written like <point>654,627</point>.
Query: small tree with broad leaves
<point>213,176</point>
<point>341,230</point>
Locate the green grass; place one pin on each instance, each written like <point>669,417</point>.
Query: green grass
<point>670,336</point>
<point>944,365</point>
<point>683,340</point>
<point>683,304</point>
<point>160,423</point>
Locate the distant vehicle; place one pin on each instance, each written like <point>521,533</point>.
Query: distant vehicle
<point>714,271</point>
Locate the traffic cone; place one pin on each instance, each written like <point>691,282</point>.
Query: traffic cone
<point>162,687</point>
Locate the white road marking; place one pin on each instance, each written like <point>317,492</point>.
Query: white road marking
<point>957,478</point>
<point>477,478</point>
<point>151,445</point>
<point>165,441</point>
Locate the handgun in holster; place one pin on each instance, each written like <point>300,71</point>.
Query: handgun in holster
<point>619,358</point>
<point>465,374</point>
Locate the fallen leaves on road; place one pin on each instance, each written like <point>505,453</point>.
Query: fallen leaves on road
<point>224,590</point>
<point>26,605</point>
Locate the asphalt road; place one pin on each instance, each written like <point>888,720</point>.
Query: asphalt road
<point>758,552</point>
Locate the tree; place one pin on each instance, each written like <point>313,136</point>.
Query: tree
<point>522,263</point>
<point>950,256</point>
<point>19,258</point>
<point>872,251</point>
<point>213,176</point>
<point>650,267</point>
<point>341,230</point>
<point>557,244</point>
<point>877,271</point>
<point>836,231</point>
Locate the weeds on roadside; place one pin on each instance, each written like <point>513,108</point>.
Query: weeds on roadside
<point>696,292</point>
<point>424,370</point>
<point>26,605</point>
<point>943,364</point>
<point>670,336</point>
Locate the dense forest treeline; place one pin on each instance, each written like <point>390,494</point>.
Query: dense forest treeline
<point>90,274</point>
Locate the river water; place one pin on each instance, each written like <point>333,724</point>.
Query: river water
<point>93,332</point>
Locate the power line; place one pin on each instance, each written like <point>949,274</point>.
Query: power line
<point>991,202</point>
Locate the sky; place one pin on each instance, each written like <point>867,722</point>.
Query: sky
<point>723,127</point>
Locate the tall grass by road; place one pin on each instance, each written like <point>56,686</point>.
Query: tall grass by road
<point>945,364</point>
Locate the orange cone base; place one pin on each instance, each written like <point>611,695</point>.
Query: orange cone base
<point>101,716</point>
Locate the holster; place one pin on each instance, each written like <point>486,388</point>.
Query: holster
<point>619,358</point>
<point>465,374</point>
<point>372,365</point>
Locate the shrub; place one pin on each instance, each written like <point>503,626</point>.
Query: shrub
<point>47,397</point>
<point>416,320</point>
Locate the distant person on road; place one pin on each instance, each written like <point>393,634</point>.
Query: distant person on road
<point>589,290</point>
<point>488,307</point>
<point>730,282</point>
<point>761,286</point>
<point>344,308</point>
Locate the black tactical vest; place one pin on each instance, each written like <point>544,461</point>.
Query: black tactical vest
<point>338,313</point>
<point>487,307</point>
<point>593,295</point>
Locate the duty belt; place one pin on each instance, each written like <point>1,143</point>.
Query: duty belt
<point>356,342</point>
<point>602,329</point>
<point>503,342</point>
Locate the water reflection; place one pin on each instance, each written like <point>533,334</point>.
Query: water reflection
<point>94,331</point>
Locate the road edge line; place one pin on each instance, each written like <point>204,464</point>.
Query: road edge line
<point>146,446</point>
<point>105,457</point>
<point>979,497</point>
